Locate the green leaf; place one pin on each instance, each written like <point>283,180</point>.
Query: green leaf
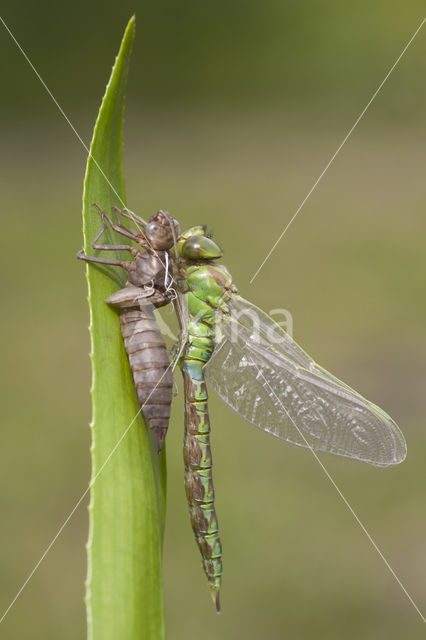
<point>124,583</point>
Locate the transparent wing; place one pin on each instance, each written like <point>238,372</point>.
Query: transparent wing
<point>261,373</point>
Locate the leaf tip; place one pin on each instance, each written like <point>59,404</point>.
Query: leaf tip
<point>132,22</point>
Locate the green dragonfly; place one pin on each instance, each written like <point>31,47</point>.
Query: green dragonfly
<point>260,372</point>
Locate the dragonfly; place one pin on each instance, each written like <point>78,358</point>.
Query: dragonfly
<point>260,372</point>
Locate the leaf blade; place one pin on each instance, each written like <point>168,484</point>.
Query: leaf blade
<point>124,582</point>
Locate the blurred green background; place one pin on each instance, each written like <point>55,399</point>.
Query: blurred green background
<point>234,108</point>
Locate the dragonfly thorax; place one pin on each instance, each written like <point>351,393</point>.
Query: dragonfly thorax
<point>147,269</point>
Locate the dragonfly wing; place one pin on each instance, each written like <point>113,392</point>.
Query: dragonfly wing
<point>262,374</point>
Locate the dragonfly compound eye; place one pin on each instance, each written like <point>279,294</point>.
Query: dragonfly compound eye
<point>201,248</point>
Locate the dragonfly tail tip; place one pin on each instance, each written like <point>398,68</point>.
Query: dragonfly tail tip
<point>216,599</point>
<point>159,434</point>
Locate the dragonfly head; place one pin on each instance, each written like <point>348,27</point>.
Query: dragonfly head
<point>194,244</point>
<point>161,231</point>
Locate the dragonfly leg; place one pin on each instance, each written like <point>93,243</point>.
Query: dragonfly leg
<point>132,216</point>
<point>124,231</point>
<point>175,388</point>
<point>180,305</point>
<point>115,263</point>
<point>106,247</point>
<point>119,213</point>
<point>183,340</point>
<point>110,247</point>
<point>120,228</point>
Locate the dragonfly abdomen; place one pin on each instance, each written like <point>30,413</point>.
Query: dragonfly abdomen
<point>206,290</point>
<point>149,362</point>
<point>198,473</point>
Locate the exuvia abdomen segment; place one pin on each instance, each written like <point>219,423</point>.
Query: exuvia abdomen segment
<point>150,365</point>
